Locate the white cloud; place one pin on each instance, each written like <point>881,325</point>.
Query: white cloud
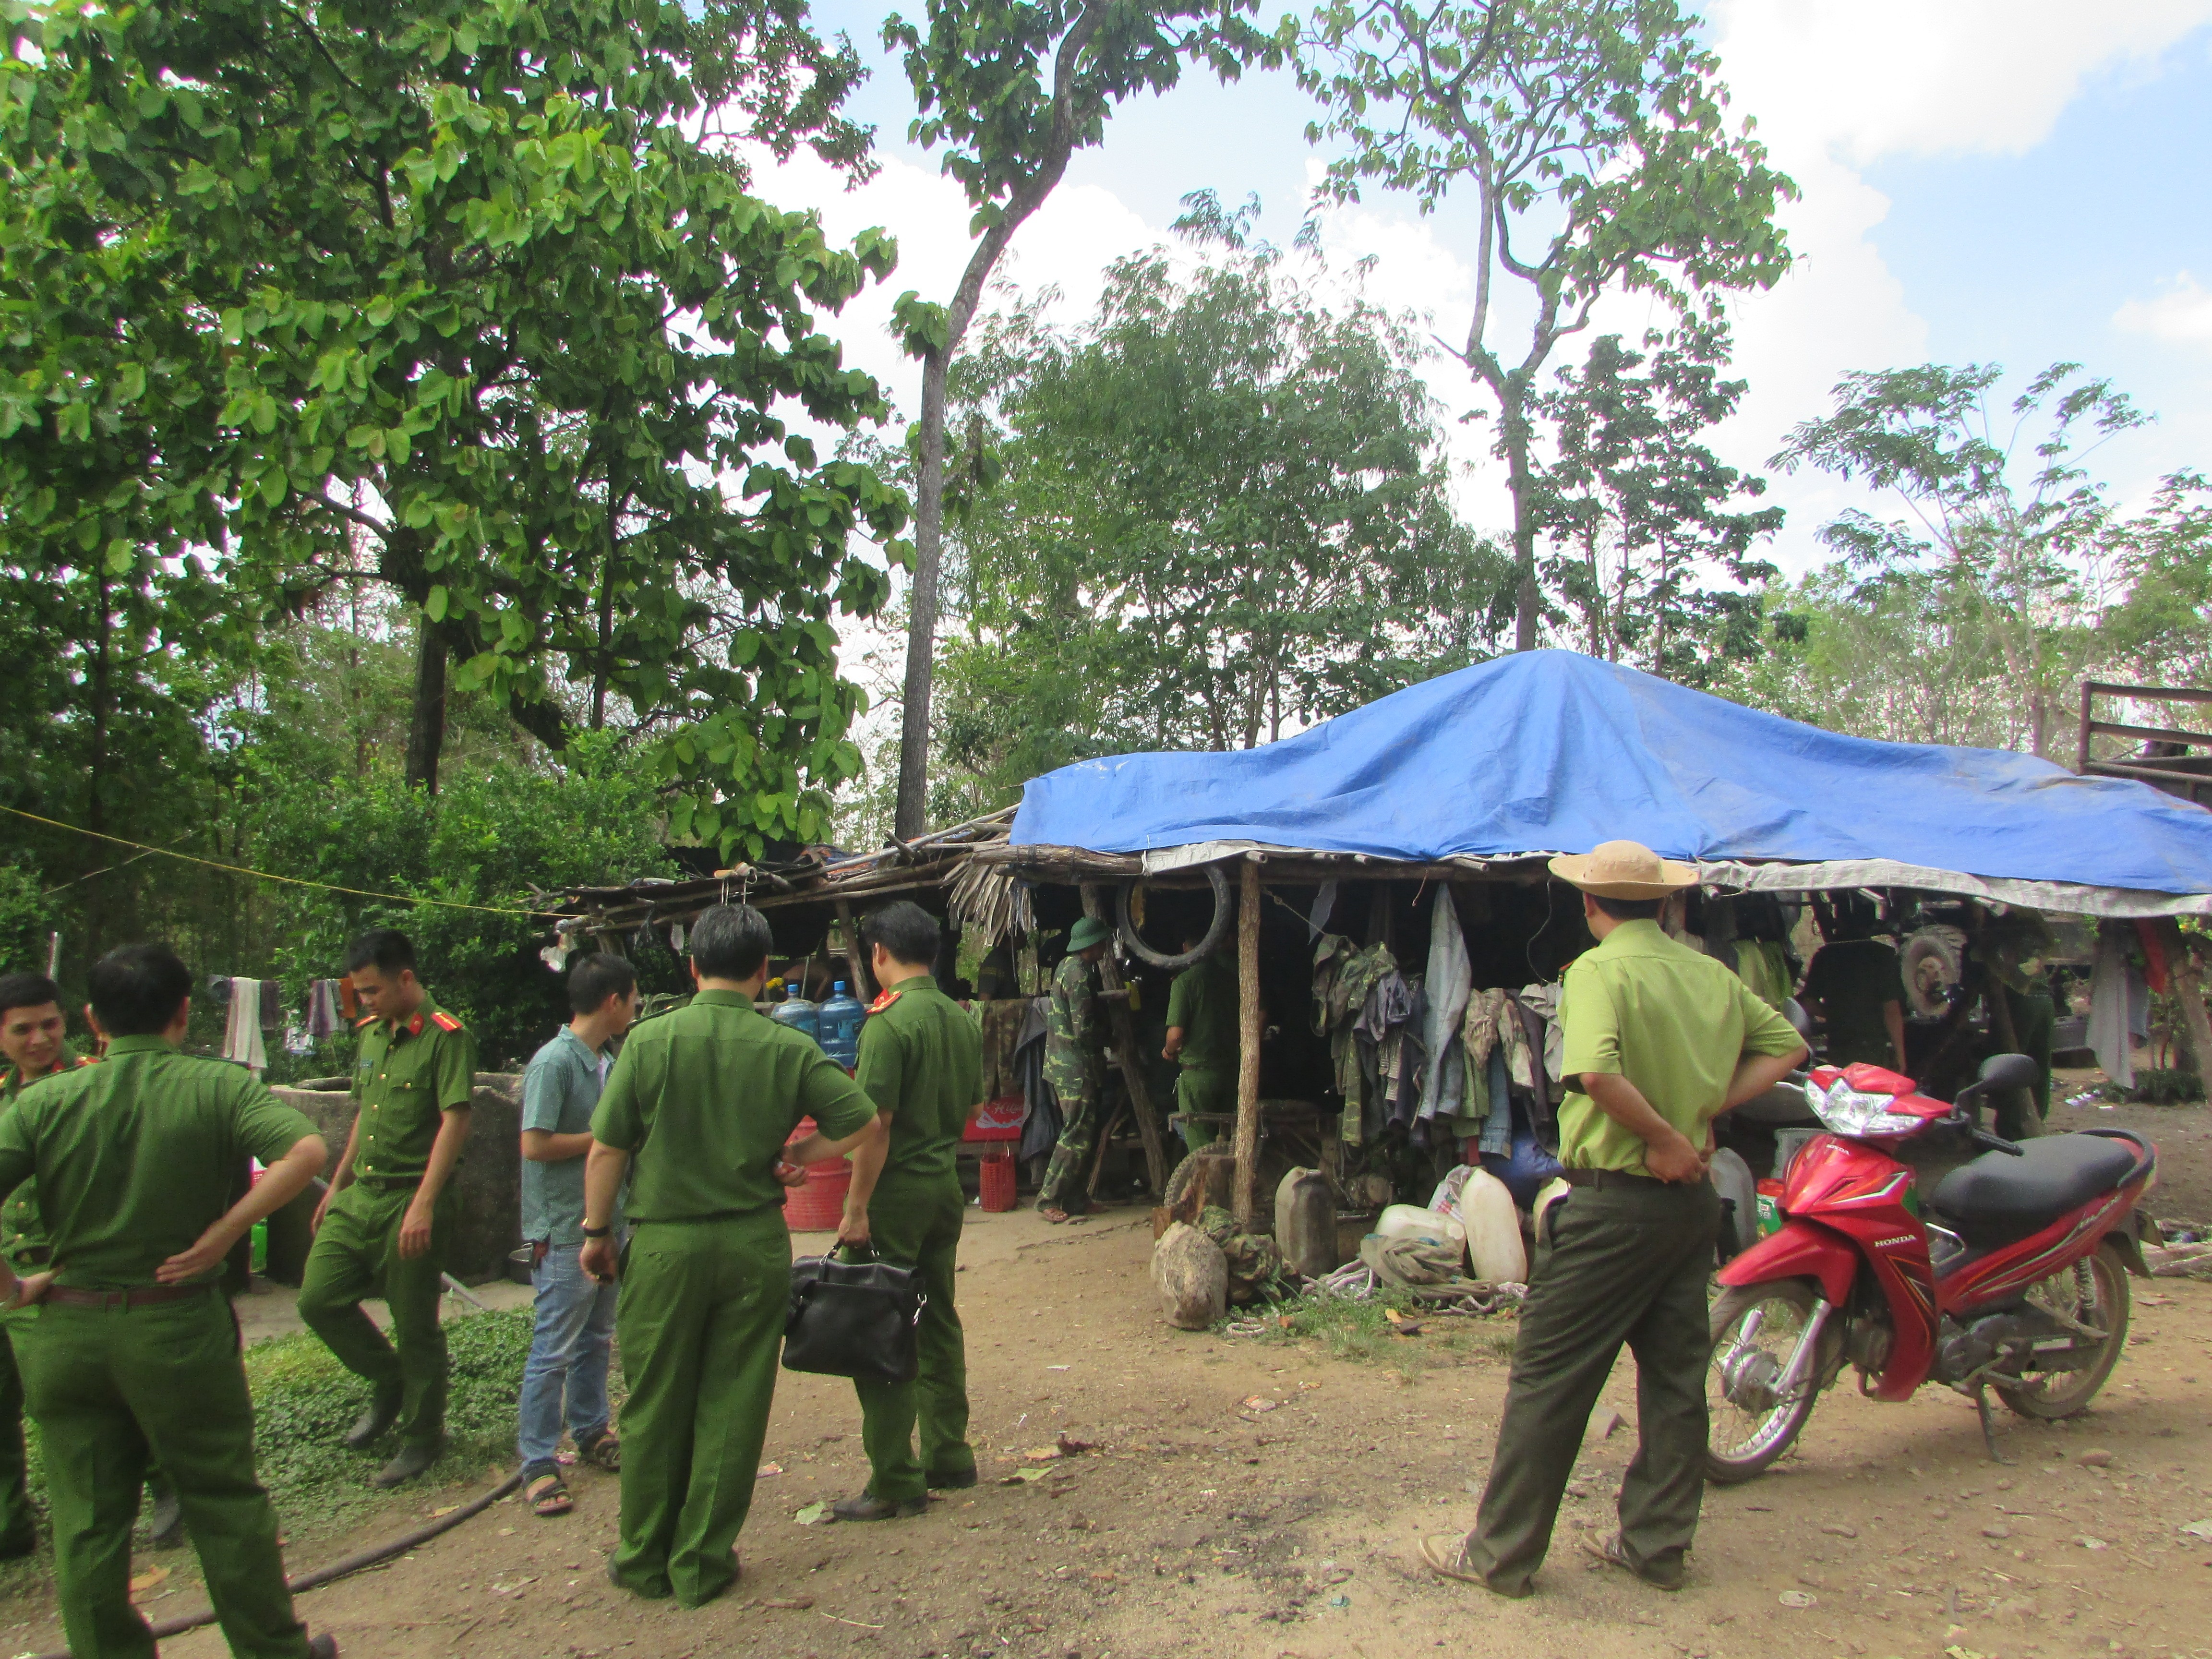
<point>2182,313</point>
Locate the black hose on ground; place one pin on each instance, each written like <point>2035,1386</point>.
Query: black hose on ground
<point>347,1565</point>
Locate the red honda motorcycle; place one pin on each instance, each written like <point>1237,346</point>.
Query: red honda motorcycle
<point>2014,1279</point>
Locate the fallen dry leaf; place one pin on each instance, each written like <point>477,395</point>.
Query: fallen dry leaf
<point>1258,1402</point>
<point>148,1579</point>
<point>790,1603</point>
<point>1042,1454</point>
<point>1020,1475</point>
<point>1069,1447</point>
<point>440,1515</point>
<point>766,1470</point>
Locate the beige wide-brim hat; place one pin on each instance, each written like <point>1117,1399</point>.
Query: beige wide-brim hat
<point>1624,870</point>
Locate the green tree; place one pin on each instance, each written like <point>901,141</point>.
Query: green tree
<point>2161,632</point>
<point>1013,91</point>
<point>1594,136</point>
<point>1638,512</point>
<point>1225,508</point>
<point>470,296</point>
<point>2020,541</point>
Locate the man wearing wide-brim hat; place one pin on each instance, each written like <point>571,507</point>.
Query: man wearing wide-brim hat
<point>1659,1042</point>
<point>1075,1065</point>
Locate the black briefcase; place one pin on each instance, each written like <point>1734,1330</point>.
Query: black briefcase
<point>854,1319</point>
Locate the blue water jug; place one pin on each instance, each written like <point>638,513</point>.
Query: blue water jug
<point>840,1017</point>
<point>796,1012</point>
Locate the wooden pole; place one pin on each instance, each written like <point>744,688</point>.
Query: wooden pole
<point>2189,992</point>
<point>1125,1046</point>
<point>1248,1041</point>
<point>856,965</point>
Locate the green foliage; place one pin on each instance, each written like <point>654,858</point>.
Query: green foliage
<point>1219,507</point>
<point>1639,510</point>
<point>1595,135</point>
<point>458,296</point>
<point>1365,1333</point>
<point>26,917</point>
<point>2000,559</point>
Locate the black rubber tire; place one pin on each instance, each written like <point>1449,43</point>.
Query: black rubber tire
<point>1216,931</point>
<point>2113,1285</point>
<point>1732,1305</point>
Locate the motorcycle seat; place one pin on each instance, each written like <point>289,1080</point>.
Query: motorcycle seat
<point>1999,1198</point>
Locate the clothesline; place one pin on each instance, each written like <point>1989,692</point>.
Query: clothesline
<point>264,875</point>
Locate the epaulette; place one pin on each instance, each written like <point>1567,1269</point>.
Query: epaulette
<point>445,1022</point>
<point>883,1000</point>
<point>363,1024</point>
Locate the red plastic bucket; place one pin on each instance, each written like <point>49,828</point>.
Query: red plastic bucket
<point>819,1204</point>
<point>998,1182</point>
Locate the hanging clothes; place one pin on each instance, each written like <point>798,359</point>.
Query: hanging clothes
<point>324,1019</point>
<point>1041,1130</point>
<point>1344,985</point>
<point>1763,965</point>
<point>241,1035</point>
<point>1002,1023</point>
<point>1498,1129</point>
<point>2116,990</point>
<point>1543,1001</point>
<point>1446,988</point>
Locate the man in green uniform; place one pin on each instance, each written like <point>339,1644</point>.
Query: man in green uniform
<point>1660,1040</point>
<point>382,1227</point>
<point>921,1063</point>
<point>1854,984</point>
<point>33,1042</point>
<point>1075,1065</point>
<point>702,1102</point>
<point>133,1352</point>
<point>1203,1036</point>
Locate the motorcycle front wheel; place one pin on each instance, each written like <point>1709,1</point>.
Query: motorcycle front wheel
<point>1755,1330</point>
<point>2093,1292</point>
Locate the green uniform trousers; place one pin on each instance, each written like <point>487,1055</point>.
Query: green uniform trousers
<point>1066,1174</point>
<point>110,1386</point>
<point>1616,1265</point>
<point>699,1324</point>
<point>915,1222</point>
<point>1214,1093</point>
<point>18,1523</point>
<point>357,1254</point>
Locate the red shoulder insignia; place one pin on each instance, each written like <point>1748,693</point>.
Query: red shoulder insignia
<point>363,1024</point>
<point>884,1000</point>
<point>445,1022</point>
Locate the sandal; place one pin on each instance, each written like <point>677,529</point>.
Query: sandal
<point>1612,1552</point>
<point>1055,1217</point>
<point>548,1495</point>
<point>601,1451</point>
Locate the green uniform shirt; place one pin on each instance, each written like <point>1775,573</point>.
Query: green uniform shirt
<point>409,1075</point>
<point>1853,980</point>
<point>1671,1021</point>
<point>1203,1002</point>
<point>921,1060</point>
<point>138,1156</point>
<point>22,1231</point>
<point>703,1100</point>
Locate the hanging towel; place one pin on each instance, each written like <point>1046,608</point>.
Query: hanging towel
<point>272,1005</point>
<point>1447,985</point>
<point>241,1036</point>
<point>2116,985</point>
<point>323,1017</point>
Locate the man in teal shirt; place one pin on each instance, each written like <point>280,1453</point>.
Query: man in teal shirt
<point>574,1314</point>
<point>921,1062</point>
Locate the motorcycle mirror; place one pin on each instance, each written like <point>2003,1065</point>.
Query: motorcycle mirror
<point>2010,1071</point>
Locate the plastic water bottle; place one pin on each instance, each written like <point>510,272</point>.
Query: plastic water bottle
<point>796,1012</point>
<point>840,1027</point>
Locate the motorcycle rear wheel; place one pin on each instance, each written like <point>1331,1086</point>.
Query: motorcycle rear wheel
<point>2093,1291</point>
<point>1755,1329</point>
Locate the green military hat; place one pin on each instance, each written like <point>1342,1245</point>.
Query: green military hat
<point>1087,933</point>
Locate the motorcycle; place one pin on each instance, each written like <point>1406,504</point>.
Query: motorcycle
<point>2014,1279</point>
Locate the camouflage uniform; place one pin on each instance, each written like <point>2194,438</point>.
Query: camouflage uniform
<point>1257,1272</point>
<point>1075,1065</point>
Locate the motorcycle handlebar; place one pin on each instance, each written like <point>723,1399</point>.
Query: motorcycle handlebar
<point>1982,1138</point>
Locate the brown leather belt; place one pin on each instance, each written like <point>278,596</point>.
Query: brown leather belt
<point>1600,1179</point>
<point>144,1296</point>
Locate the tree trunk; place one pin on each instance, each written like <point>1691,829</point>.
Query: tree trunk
<point>911,815</point>
<point>98,854</point>
<point>425,727</point>
<point>1513,421</point>
<point>1128,1053</point>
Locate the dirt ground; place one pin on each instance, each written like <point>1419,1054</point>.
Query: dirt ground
<point>1249,1498</point>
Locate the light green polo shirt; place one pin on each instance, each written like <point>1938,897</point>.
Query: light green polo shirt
<point>1674,1023</point>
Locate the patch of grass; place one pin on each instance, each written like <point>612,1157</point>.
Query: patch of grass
<point>1365,1333</point>
<point>304,1401</point>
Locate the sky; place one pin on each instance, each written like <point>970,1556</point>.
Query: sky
<point>2019,183</point>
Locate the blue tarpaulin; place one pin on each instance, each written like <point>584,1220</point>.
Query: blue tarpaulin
<point>1552,752</point>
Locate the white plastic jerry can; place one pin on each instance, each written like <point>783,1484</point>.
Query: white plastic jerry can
<point>1493,1231</point>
